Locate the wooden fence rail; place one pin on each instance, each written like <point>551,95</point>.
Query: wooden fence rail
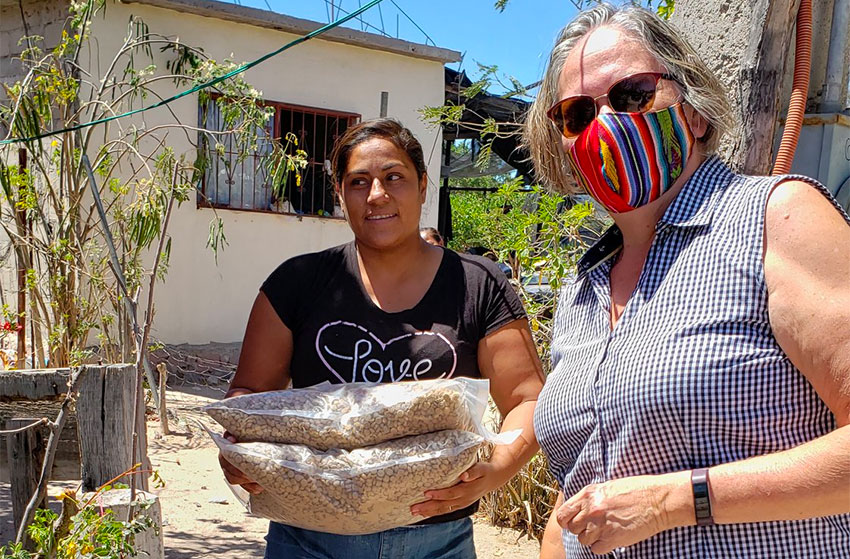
<point>102,433</point>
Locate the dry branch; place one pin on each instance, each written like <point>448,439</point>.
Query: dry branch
<point>42,421</point>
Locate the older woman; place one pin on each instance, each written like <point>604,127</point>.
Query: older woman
<point>699,404</point>
<point>390,307</point>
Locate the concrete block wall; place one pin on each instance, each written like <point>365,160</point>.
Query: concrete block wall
<point>45,18</point>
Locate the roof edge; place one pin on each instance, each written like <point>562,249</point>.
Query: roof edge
<point>289,24</point>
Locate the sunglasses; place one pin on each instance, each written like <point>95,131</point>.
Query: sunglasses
<point>632,94</point>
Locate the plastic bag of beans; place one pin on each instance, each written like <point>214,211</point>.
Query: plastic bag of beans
<point>354,415</point>
<point>360,491</point>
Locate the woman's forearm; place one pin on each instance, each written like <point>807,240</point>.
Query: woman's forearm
<point>237,391</point>
<point>807,481</point>
<point>509,459</point>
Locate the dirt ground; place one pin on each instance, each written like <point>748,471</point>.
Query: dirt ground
<point>201,517</point>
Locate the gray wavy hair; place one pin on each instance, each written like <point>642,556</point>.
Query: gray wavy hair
<point>702,90</point>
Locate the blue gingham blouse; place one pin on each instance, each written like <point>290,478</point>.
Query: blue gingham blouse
<point>691,375</point>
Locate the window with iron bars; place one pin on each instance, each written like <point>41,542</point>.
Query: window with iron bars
<point>246,185</point>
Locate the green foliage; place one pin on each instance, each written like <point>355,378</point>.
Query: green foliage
<point>445,114</point>
<point>470,220</point>
<point>90,533</point>
<point>488,129</point>
<point>96,535</point>
<point>216,240</point>
<point>665,8</point>
<point>14,551</point>
<point>530,229</point>
<point>283,162</point>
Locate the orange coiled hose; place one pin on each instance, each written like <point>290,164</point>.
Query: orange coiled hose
<point>799,90</point>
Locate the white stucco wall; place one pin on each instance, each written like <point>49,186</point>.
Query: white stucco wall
<point>200,301</point>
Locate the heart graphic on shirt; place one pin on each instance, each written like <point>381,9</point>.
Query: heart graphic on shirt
<point>354,354</point>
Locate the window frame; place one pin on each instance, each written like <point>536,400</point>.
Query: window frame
<point>277,126</point>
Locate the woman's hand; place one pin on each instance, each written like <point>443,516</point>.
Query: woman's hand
<point>507,358</point>
<point>626,511</point>
<point>478,480</point>
<point>234,475</point>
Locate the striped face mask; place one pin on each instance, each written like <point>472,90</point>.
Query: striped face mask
<point>627,160</point>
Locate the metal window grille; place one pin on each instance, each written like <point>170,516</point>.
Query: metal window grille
<point>245,185</point>
<point>316,130</point>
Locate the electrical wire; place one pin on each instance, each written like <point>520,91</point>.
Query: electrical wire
<point>366,23</point>
<point>205,85</point>
<point>414,23</point>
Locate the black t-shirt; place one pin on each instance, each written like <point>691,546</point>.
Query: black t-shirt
<point>340,335</point>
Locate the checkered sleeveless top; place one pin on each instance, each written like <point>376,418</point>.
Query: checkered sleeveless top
<point>691,375</point>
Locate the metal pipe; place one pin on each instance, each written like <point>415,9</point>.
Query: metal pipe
<point>20,251</point>
<point>835,68</point>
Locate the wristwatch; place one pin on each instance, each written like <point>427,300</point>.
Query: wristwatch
<point>702,497</point>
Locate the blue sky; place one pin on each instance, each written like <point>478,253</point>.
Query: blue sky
<point>516,40</point>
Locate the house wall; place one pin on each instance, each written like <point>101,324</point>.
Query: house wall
<point>203,301</point>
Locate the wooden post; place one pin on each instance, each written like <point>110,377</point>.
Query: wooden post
<point>38,394</point>
<point>760,83</point>
<point>20,251</point>
<point>105,425</point>
<point>163,416</point>
<point>385,101</point>
<point>25,450</point>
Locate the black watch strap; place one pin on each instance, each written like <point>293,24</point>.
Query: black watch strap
<point>702,497</point>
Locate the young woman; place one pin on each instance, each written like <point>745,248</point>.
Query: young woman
<point>390,307</point>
